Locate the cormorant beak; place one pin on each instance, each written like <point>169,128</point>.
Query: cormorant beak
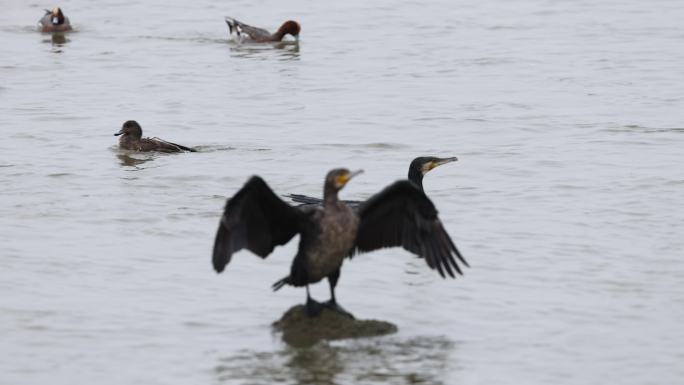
<point>439,162</point>
<point>354,173</point>
<point>119,133</point>
<point>344,179</point>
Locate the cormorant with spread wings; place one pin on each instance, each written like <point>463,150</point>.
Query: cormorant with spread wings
<point>255,218</point>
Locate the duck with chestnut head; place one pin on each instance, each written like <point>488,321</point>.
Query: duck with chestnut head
<point>54,21</point>
<point>247,33</point>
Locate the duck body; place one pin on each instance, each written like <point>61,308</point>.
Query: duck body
<point>151,144</point>
<point>54,21</point>
<point>131,139</point>
<point>248,33</point>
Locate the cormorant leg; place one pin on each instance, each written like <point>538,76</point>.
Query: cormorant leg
<point>332,303</point>
<point>313,307</point>
<point>332,280</point>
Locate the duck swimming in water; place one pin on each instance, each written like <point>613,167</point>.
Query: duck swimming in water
<point>417,170</point>
<point>247,33</point>
<point>131,139</point>
<point>54,21</point>
<point>255,218</point>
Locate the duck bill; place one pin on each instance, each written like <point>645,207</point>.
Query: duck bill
<point>119,133</point>
<point>439,162</point>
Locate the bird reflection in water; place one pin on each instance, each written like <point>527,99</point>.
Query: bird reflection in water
<point>128,160</point>
<point>424,360</point>
<point>57,41</point>
<point>284,50</point>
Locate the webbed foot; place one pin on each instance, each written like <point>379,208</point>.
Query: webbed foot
<point>334,306</point>
<point>313,307</point>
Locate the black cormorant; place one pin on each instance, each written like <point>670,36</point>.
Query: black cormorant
<point>417,170</point>
<point>400,215</point>
<point>131,139</point>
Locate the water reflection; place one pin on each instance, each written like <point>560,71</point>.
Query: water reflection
<point>58,40</point>
<point>128,160</point>
<point>286,50</point>
<point>423,360</point>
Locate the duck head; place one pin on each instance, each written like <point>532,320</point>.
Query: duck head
<point>56,16</point>
<point>289,27</point>
<point>130,129</point>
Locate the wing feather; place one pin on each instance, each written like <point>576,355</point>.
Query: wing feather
<point>402,215</point>
<point>255,219</point>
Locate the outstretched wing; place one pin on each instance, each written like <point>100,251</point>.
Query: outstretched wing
<point>256,219</point>
<point>240,28</point>
<point>402,215</point>
<point>305,200</point>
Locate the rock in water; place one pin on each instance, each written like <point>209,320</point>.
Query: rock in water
<point>301,330</point>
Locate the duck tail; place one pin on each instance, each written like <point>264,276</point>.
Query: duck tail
<point>285,281</point>
<point>182,148</point>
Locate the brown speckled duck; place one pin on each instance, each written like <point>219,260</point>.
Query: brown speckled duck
<point>131,139</point>
<point>54,21</point>
<point>247,33</point>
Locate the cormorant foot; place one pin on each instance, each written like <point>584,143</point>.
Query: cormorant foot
<point>313,308</point>
<point>334,306</point>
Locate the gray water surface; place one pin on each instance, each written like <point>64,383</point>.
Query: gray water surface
<point>567,198</point>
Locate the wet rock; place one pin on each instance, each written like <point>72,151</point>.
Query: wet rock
<point>301,330</point>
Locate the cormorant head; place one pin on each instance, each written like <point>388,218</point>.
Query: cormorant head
<point>130,128</point>
<point>337,179</point>
<point>422,165</point>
